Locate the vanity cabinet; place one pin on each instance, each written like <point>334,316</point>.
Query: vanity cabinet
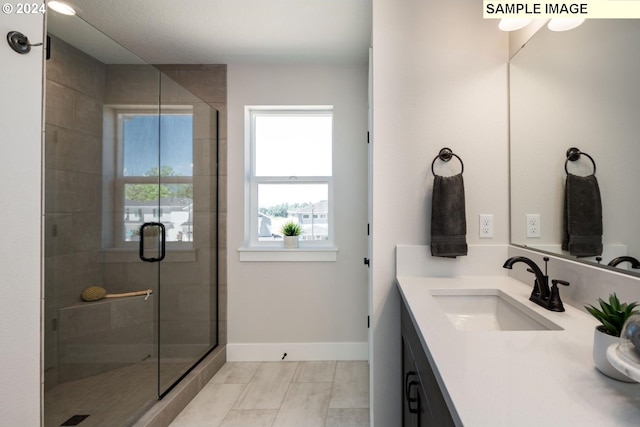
<point>422,401</point>
<point>415,411</point>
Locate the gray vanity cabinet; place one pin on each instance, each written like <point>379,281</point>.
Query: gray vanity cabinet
<point>415,411</point>
<point>422,402</point>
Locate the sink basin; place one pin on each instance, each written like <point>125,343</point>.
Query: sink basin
<point>489,310</point>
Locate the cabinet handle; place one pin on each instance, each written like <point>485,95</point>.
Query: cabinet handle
<point>407,390</point>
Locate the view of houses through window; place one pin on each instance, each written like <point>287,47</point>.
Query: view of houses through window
<point>311,215</point>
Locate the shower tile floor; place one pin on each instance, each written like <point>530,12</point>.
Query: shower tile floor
<point>282,394</point>
<point>112,399</point>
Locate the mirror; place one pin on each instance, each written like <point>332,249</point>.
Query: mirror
<point>577,89</point>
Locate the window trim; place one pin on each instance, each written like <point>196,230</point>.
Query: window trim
<point>121,180</point>
<point>255,250</point>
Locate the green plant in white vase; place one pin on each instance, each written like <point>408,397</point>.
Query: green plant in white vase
<point>291,231</point>
<point>612,315</point>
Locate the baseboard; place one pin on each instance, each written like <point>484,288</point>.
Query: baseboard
<point>265,352</point>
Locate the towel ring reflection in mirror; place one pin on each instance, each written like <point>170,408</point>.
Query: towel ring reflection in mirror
<point>573,154</point>
<point>445,155</point>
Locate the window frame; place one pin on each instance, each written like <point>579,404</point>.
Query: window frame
<point>252,181</point>
<point>121,180</point>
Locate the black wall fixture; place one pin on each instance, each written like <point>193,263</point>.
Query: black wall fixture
<point>19,42</point>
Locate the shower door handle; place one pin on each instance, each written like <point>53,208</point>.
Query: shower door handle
<point>152,242</point>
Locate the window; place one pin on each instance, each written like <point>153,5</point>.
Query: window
<point>289,174</point>
<point>154,180</point>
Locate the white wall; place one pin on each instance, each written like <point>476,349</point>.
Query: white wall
<point>439,79</point>
<point>20,151</point>
<point>272,304</point>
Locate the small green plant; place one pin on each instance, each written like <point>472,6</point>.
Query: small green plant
<point>291,228</point>
<point>612,315</point>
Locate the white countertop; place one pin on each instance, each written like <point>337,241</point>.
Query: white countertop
<point>518,378</point>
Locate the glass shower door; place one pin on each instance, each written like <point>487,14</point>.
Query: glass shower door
<point>130,206</point>
<point>130,200</point>
<point>188,209</point>
<point>100,356</point>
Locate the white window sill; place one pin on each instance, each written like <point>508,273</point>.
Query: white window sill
<point>270,254</point>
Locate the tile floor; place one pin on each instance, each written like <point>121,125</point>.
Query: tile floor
<point>113,398</point>
<point>282,394</point>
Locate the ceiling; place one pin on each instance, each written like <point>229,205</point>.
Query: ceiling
<point>230,31</point>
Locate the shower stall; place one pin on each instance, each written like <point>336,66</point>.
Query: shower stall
<point>130,204</point>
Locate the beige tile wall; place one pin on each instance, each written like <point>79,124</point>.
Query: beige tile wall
<point>74,97</point>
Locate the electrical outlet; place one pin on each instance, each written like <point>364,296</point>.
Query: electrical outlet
<point>533,225</point>
<point>486,226</point>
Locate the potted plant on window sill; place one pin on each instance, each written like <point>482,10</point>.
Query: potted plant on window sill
<point>612,316</point>
<point>291,232</point>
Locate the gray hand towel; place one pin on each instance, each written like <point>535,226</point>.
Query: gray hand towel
<point>582,216</point>
<point>448,220</point>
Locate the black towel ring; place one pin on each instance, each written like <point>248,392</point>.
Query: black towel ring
<point>445,155</point>
<point>574,154</point>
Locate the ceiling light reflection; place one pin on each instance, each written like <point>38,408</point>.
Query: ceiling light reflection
<point>564,24</point>
<point>61,7</point>
<point>512,24</point>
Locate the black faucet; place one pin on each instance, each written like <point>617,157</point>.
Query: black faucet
<point>541,294</point>
<point>634,262</point>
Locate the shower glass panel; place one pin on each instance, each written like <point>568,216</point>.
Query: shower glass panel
<point>130,174</point>
<point>188,208</point>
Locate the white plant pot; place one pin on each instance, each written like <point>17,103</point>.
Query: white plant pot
<point>291,242</point>
<point>601,343</point>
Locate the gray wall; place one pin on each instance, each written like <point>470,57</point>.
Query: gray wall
<point>277,306</point>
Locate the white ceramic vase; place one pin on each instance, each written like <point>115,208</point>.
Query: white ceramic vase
<point>291,242</point>
<point>601,343</point>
